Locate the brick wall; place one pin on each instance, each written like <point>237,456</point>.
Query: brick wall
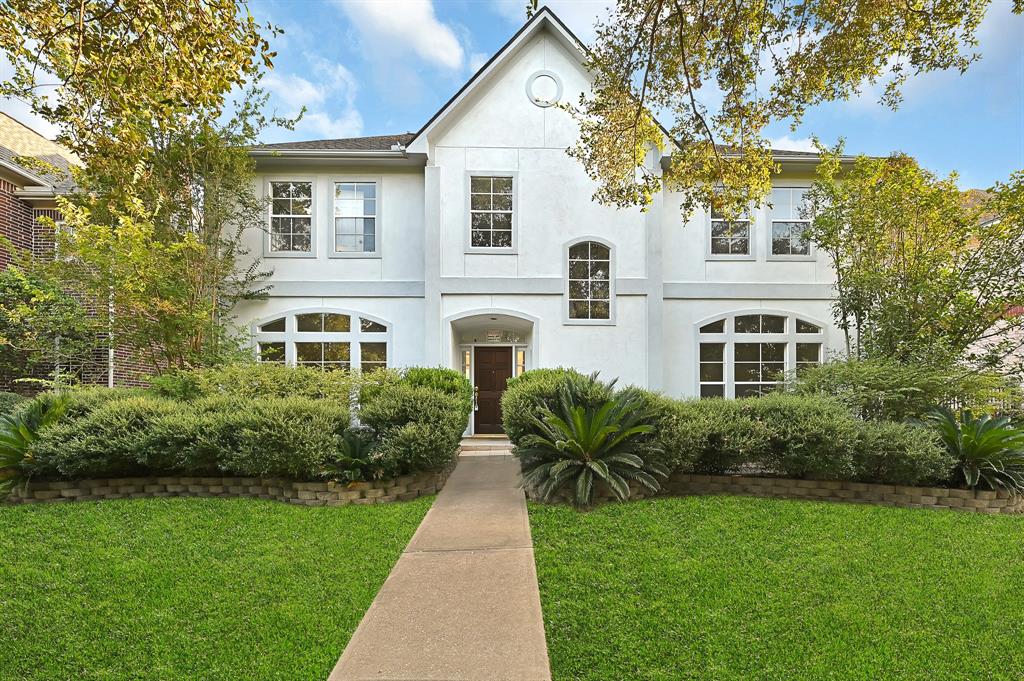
<point>21,224</point>
<point>16,221</point>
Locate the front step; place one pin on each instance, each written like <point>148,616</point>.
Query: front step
<point>485,447</point>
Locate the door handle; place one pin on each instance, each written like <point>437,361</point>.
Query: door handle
<point>476,396</point>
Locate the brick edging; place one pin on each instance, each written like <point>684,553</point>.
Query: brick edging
<point>692,484</point>
<point>402,488</point>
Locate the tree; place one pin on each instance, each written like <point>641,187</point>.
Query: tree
<point>113,73</point>
<point>44,331</point>
<point>139,93</point>
<point>165,270</point>
<point>922,275</point>
<point>764,62</point>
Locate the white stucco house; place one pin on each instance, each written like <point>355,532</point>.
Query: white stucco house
<point>475,244</point>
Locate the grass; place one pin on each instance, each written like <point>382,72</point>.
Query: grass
<point>742,588</point>
<point>189,588</point>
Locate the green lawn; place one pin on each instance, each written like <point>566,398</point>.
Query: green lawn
<point>742,588</point>
<point>189,588</point>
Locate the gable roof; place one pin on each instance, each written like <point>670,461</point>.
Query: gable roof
<point>19,142</point>
<point>541,18</point>
<point>414,143</point>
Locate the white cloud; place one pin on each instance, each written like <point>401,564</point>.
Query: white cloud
<point>398,27</point>
<point>294,90</point>
<point>330,100</point>
<point>788,143</point>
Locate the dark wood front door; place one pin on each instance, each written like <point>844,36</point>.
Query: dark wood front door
<point>493,369</point>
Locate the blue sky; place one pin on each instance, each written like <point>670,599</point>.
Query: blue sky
<point>385,66</point>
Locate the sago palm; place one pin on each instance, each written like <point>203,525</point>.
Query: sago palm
<point>989,450</point>
<point>578,444</point>
<point>17,433</point>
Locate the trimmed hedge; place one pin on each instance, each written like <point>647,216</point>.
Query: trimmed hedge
<point>257,381</point>
<point>885,390</point>
<point>257,421</point>
<point>419,420</point>
<point>8,401</point>
<point>523,393</point>
<point>796,436</point>
<point>292,437</point>
<point>901,454</point>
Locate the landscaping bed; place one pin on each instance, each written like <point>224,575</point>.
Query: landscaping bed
<point>190,588</point>
<point>743,588</point>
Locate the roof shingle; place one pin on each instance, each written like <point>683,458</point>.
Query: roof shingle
<point>374,143</point>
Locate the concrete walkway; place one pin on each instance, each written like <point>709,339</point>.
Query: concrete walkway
<point>462,602</point>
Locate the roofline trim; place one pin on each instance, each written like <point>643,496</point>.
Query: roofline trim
<point>347,153</point>
<point>27,174</point>
<point>544,12</point>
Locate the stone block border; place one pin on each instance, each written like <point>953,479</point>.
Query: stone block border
<point>402,488</point>
<point>977,501</point>
<point>691,484</point>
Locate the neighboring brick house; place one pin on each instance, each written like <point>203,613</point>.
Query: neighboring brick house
<point>26,195</point>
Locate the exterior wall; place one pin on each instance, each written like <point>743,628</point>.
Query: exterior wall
<point>428,276</point>
<point>17,222</point>
<point>399,228</point>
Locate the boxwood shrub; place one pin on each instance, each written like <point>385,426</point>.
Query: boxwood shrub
<point>256,421</point>
<point>540,387</point>
<point>792,435</point>
<point>8,401</point>
<point>291,437</point>
<point>901,454</point>
<point>418,426</point>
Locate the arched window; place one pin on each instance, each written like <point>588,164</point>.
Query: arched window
<point>589,281</point>
<point>328,339</point>
<point>747,354</point>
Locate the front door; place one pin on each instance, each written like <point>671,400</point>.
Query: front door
<point>493,369</point>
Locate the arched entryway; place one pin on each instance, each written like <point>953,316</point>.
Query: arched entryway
<point>490,347</point>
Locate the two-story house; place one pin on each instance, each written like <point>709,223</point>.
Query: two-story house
<point>475,244</point>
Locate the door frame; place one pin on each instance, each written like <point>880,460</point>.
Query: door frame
<point>471,367</point>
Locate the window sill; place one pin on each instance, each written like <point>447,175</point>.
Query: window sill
<point>296,254</point>
<point>491,251</point>
<point>792,258</point>
<point>726,258</point>
<point>356,256</point>
<point>588,322</point>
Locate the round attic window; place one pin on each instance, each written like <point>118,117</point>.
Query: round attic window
<point>544,88</point>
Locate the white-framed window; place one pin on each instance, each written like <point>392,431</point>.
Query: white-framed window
<point>729,239</point>
<point>356,217</point>
<point>589,282</point>
<point>491,212</point>
<point>324,338</point>
<point>290,231</point>
<point>789,222</point>
<point>746,354</point>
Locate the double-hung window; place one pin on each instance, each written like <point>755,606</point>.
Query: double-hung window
<point>729,238</point>
<point>291,217</point>
<point>491,211</point>
<point>355,217</point>
<point>789,224</point>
